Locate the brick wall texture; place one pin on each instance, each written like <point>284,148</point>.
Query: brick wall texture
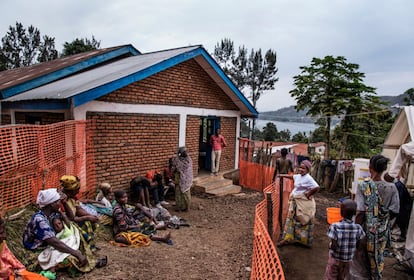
<point>127,145</point>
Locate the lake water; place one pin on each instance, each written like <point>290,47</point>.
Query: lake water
<point>294,127</point>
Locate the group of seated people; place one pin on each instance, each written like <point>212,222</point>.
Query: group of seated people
<point>61,234</point>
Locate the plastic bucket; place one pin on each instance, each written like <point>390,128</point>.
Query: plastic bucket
<point>333,215</point>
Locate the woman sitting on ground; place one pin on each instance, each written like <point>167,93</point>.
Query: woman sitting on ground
<point>75,212</point>
<point>39,233</point>
<point>51,259</point>
<point>129,221</point>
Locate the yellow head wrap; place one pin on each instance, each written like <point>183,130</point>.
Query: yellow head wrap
<point>69,182</point>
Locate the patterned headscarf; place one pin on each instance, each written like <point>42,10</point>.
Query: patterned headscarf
<point>307,164</point>
<point>69,182</point>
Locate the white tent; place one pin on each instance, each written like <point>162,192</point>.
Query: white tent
<point>401,132</point>
<point>399,147</point>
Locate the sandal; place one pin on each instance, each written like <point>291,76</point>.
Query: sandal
<point>48,274</point>
<point>184,223</point>
<point>101,262</point>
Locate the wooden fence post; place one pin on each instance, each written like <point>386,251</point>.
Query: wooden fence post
<point>281,203</point>
<point>269,205</point>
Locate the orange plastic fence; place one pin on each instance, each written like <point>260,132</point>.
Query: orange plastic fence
<point>254,175</point>
<point>34,157</point>
<point>265,260</point>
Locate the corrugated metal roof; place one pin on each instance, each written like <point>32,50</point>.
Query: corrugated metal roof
<point>96,82</point>
<point>20,79</point>
<point>94,78</point>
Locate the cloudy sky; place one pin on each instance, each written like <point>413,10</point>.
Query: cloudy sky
<point>377,35</point>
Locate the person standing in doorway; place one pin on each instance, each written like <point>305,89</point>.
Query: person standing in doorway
<point>217,142</point>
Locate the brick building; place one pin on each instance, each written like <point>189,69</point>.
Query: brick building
<point>143,106</point>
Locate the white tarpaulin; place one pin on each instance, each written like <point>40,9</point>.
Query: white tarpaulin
<point>399,146</point>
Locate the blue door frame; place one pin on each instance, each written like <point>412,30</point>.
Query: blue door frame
<point>208,126</point>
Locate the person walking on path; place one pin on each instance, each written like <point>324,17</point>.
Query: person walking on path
<point>217,142</point>
<point>299,224</point>
<point>283,165</point>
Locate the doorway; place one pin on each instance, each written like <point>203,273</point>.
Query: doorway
<point>208,126</point>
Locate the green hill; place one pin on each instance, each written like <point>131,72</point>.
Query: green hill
<point>289,114</point>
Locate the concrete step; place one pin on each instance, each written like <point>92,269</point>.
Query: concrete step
<point>232,189</point>
<point>215,185</point>
<point>212,183</point>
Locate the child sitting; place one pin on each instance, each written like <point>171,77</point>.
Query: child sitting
<point>50,258</point>
<point>105,195</point>
<point>127,221</point>
<point>345,238</point>
<point>101,207</point>
<point>61,225</point>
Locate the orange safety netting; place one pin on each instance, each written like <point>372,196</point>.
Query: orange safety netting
<point>34,157</point>
<point>256,173</point>
<point>255,163</point>
<point>265,260</point>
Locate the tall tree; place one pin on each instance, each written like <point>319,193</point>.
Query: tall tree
<point>47,50</point>
<point>300,137</point>
<point>253,74</point>
<point>21,47</point>
<point>331,87</point>
<point>409,98</point>
<point>269,132</point>
<point>284,135</point>
<point>80,46</point>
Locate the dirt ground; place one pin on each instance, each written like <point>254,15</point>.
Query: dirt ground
<point>218,245</point>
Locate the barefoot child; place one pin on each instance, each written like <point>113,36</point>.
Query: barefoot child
<point>345,238</point>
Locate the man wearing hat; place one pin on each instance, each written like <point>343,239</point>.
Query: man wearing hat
<point>39,233</point>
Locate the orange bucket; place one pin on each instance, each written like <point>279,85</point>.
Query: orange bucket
<point>333,215</point>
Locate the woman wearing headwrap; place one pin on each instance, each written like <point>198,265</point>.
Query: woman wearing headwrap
<point>182,165</point>
<point>75,212</point>
<point>302,207</point>
<point>39,233</point>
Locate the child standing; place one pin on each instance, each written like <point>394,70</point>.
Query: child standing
<point>345,238</point>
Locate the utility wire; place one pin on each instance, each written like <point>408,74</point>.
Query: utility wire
<point>342,116</point>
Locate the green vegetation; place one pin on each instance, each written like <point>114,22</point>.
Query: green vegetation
<point>24,47</point>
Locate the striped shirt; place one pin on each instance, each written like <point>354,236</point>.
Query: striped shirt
<point>347,234</point>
